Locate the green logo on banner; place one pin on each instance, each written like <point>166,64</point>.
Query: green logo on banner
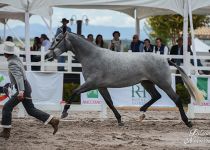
<point>1,79</point>
<point>92,94</point>
<point>202,84</point>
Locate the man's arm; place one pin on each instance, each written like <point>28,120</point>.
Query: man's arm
<point>69,29</point>
<point>16,72</point>
<point>141,47</point>
<point>166,50</point>
<point>58,32</point>
<point>173,52</point>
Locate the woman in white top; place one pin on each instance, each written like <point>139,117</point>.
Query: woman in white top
<point>116,43</point>
<point>45,42</point>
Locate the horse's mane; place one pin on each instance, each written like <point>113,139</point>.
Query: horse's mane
<point>84,39</point>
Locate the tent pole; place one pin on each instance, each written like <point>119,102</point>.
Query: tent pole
<point>4,31</point>
<point>137,23</point>
<point>186,60</point>
<point>193,37</point>
<point>27,41</point>
<point>138,27</point>
<point>51,32</point>
<point>49,26</point>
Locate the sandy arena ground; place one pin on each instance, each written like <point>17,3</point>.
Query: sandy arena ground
<point>161,130</point>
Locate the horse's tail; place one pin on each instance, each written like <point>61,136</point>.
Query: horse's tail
<point>192,89</point>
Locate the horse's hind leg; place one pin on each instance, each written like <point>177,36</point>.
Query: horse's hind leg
<point>150,88</point>
<point>155,95</point>
<point>105,94</point>
<point>176,99</point>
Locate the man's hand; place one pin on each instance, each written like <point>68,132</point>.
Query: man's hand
<point>6,88</point>
<point>20,95</point>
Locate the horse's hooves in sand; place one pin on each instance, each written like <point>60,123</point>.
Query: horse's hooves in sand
<point>189,124</point>
<point>142,117</point>
<point>64,115</point>
<point>120,124</point>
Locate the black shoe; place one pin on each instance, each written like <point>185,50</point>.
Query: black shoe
<point>5,133</point>
<point>64,115</point>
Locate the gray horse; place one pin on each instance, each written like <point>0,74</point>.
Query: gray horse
<point>103,68</point>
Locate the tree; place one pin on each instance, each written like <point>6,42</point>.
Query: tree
<point>169,27</point>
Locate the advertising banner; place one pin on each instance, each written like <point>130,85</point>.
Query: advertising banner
<point>4,78</point>
<point>134,95</point>
<point>47,88</point>
<point>203,83</point>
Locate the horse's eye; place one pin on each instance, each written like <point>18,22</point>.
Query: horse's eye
<point>57,40</point>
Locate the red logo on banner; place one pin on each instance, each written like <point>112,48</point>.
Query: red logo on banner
<point>3,97</point>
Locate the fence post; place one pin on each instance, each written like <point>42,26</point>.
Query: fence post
<point>188,64</point>
<point>69,61</point>
<point>42,58</point>
<point>103,113</point>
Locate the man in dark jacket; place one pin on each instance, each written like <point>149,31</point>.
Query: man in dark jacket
<point>148,47</point>
<point>136,45</point>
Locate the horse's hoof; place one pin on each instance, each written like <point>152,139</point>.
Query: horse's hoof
<point>64,115</point>
<point>142,109</point>
<point>120,124</point>
<point>189,124</point>
<point>142,117</point>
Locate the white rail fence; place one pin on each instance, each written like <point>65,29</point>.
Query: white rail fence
<point>68,65</point>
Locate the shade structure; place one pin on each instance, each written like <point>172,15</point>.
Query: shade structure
<point>9,12</point>
<point>35,7</point>
<point>144,8</point>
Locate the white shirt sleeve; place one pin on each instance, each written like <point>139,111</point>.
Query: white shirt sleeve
<point>166,50</point>
<point>109,45</point>
<point>47,45</point>
<point>153,49</point>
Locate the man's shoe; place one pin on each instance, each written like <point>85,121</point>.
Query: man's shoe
<point>5,133</point>
<point>54,122</point>
<point>64,115</point>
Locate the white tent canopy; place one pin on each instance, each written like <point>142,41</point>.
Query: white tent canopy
<point>35,7</point>
<point>144,8</point>
<point>9,12</point>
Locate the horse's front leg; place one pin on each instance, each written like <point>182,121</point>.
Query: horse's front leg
<point>105,94</point>
<point>87,86</point>
<point>67,106</point>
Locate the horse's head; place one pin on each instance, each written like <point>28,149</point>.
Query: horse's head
<point>59,46</point>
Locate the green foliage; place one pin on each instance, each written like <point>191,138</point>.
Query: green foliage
<point>169,27</point>
<point>183,93</point>
<point>67,91</point>
<point>1,79</point>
